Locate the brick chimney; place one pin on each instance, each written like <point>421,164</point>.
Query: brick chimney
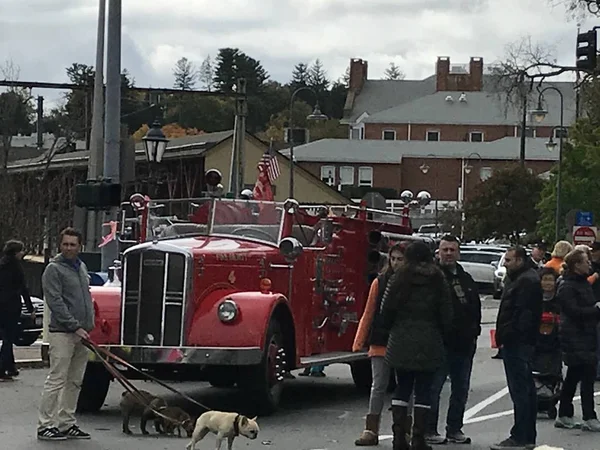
<point>358,74</point>
<point>446,80</point>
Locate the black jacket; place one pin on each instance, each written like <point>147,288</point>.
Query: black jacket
<point>466,307</point>
<point>12,287</point>
<point>520,310</point>
<point>378,335</point>
<point>418,314</point>
<point>578,320</point>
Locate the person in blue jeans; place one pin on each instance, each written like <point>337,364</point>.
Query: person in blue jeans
<point>517,329</point>
<point>460,345</point>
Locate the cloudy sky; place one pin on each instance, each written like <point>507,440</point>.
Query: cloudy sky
<point>43,37</point>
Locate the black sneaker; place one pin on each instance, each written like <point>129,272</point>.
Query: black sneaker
<point>51,434</point>
<point>75,433</point>
<point>13,373</point>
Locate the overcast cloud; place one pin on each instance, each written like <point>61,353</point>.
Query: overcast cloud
<point>43,37</point>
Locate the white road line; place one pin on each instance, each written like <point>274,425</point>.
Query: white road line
<point>485,403</point>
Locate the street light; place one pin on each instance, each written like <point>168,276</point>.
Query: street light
<point>155,143</point>
<point>315,115</point>
<point>539,115</point>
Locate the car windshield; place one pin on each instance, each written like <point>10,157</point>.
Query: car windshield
<point>482,258</point>
<point>246,218</point>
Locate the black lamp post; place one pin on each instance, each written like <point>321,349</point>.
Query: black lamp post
<point>155,145</point>
<point>539,115</point>
<point>315,115</point>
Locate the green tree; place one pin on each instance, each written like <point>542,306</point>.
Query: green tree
<point>206,74</point>
<point>185,75</point>
<point>317,78</point>
<point>15,117</point>
<point>504,205</point>
<point>233,64</point>
<point>393,72</point>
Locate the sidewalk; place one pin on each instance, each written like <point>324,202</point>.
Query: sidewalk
<point>29,357</point>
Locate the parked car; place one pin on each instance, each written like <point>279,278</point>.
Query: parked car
<point>479,264</point>
<point>30,329</point>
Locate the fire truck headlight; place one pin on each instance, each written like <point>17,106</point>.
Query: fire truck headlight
<point>227,311</point>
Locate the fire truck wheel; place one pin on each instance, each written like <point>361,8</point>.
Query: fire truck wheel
<point>94,388</point>
<point>264,382</point>
<point>361,375</point>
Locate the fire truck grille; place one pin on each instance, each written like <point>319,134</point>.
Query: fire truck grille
<point>154,298</point>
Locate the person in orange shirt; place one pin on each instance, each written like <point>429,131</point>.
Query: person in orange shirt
<point>561,248</point>
<point>371,333</point>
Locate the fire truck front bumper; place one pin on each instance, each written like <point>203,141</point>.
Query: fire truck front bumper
<point>201,356</point>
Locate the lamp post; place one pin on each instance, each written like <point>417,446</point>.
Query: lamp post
<point>539,115</point>
<point>316,115</point>
<point>425,169</point>
<point>465,170</point>
<point>155,145</point>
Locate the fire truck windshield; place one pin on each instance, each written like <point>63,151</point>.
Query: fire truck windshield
<point>244,218</point>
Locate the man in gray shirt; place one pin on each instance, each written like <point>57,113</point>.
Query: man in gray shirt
<point>66,287</point>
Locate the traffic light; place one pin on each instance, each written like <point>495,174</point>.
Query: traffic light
<point>97,195</point>
<point>586,51</point>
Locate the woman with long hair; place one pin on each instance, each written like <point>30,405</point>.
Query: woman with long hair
<point>12,288</point>
<point>579,316</point>
<point>418,315</point>
<point>371,333</point>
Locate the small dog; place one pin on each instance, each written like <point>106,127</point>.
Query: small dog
<point>130,404</point>
<point>179,419</point>
<point>224,425</point>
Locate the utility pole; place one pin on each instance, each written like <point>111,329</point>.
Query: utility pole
<point>40,123</point>
<point>523,124</point>
<point>112,127</point>
<point>95,161</point>
<point>236,180</point>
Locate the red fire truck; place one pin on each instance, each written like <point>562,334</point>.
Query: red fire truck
<point>238,292</point>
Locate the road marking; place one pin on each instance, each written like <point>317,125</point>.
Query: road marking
<point>485,403</point>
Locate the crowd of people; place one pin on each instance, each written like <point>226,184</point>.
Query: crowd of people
<point>422,321</point>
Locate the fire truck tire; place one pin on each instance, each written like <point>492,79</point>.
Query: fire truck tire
<point>264,382</point>
<point>361,375</point>
<point>94,388</point>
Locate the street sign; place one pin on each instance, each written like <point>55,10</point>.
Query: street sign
<point>584,219</point>
<point>584,235</point>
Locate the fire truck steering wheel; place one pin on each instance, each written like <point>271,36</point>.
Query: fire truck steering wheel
<point>249,231</point>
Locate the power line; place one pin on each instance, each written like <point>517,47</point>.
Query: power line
<point>85,87</point>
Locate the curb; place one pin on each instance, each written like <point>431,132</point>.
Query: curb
<point>31,364</point>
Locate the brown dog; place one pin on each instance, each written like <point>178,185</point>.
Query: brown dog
<point>178,419</point>
<point>130,405</point>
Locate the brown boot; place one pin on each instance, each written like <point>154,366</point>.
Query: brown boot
<point>418,432</point>
<point>370,436</point>
<point>399,427</point>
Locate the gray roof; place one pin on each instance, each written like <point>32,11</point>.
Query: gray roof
<point>199,139</point>
<point>374,151</point>
<point>480,108</point>
<point>381,95</point>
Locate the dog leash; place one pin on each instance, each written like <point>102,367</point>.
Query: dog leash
<point>105,356</point>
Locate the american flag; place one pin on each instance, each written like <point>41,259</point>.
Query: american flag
<point>269,163</point>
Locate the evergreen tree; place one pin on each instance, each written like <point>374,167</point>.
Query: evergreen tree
<point>185,75</point>
<point>233,64</point>
<point>318,78</point>
<point>300,75</point>
<point>206,74</point>
<point>393,72</point>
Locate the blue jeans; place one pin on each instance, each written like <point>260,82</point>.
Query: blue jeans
<point>517,366</point>
<point>459,366</point>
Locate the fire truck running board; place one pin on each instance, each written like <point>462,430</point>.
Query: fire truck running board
<point>331,358</point>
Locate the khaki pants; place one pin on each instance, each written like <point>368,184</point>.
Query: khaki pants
<point>68,360</point>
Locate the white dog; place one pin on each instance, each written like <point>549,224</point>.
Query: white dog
<point>224,425</point>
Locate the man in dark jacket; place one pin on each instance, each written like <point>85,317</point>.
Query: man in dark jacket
<point>460,345</point>
<point>517,328</point>
<point>536,259</point>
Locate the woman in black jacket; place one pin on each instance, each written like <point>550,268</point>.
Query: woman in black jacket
<point>12,288</point>
<point>579,315</point>
<point>418,315</point>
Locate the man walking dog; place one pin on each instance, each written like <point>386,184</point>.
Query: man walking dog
<point>66,287</point>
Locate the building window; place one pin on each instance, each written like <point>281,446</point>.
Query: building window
<point>365,177</point>
<point>529,132</point>
<point>347,176</point>
<point>388,135</point>
<point>561,131</point>
<point>432,135</point>
<point>355,133</point>
<point>328,175</point>
<point>476,136</point>
<point>485,173</point>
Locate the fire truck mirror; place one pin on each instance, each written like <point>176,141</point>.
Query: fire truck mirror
<point>290,247</point>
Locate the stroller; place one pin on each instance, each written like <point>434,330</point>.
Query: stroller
<point>547,365</point>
